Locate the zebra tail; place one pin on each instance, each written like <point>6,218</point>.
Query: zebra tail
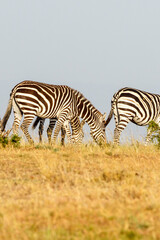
<point>7,113</point>
<point>109,117</point>
<point>36,122</point>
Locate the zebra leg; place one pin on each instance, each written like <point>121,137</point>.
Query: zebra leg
<point>41,128</point>
<point>117,133</point>
<point>59,124</point>
<point>50,128</point>
<point>77,130</point>
<point>24,126</point>
<point>17,118</point>
<point>66,129</point>
<point>120,126</point>
<point>63,133</point>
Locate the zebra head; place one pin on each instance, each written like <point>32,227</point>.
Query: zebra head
<point>97,131</point>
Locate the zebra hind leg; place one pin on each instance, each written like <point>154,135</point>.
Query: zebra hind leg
<point>59,124</point>
<point>117,133</point>
<point>120,126</point>
<point>17,118</point>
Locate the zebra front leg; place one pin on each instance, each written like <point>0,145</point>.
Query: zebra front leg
<point>77,130</point>
<point>117,133</point>
<point>59,124</point>
<point>24,126</point>
<point>66,130</point>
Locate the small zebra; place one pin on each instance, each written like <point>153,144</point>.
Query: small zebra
<point>133,105</point>
<point>88,113</point>
<point>32,99</point>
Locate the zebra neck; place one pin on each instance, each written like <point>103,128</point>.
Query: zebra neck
<point>86,110</point>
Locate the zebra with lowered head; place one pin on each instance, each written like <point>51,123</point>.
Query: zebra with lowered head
<point>133,105</point>
<point>88,113</point>
<point>32,99</point>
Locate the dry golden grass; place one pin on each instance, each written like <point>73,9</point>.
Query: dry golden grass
<point>79,193</point>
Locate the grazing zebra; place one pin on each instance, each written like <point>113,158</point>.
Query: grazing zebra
<point>32,99</point>
<point>133,105</point>
<point>88,113</point>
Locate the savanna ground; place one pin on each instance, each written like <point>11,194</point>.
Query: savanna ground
<point>79,193</point>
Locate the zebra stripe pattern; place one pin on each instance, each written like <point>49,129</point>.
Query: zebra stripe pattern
<point>133,105</point>
<point>92,116</point>
<point>32,99</point>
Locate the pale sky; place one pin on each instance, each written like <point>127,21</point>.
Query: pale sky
<point>96,47</point>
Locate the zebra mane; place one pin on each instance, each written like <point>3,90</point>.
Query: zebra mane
<point>86,105</point>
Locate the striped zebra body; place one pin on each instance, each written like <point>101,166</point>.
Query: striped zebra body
<point>133,105</point>
<point>32,99</point>
<point>89,114</point>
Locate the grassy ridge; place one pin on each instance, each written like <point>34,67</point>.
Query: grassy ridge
<point>79,193</point>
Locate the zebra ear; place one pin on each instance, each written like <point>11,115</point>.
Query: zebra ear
<point>103,117</point>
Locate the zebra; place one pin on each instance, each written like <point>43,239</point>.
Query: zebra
<point>87,112</point>
<point>133,105</point>
<point>30,98</point>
